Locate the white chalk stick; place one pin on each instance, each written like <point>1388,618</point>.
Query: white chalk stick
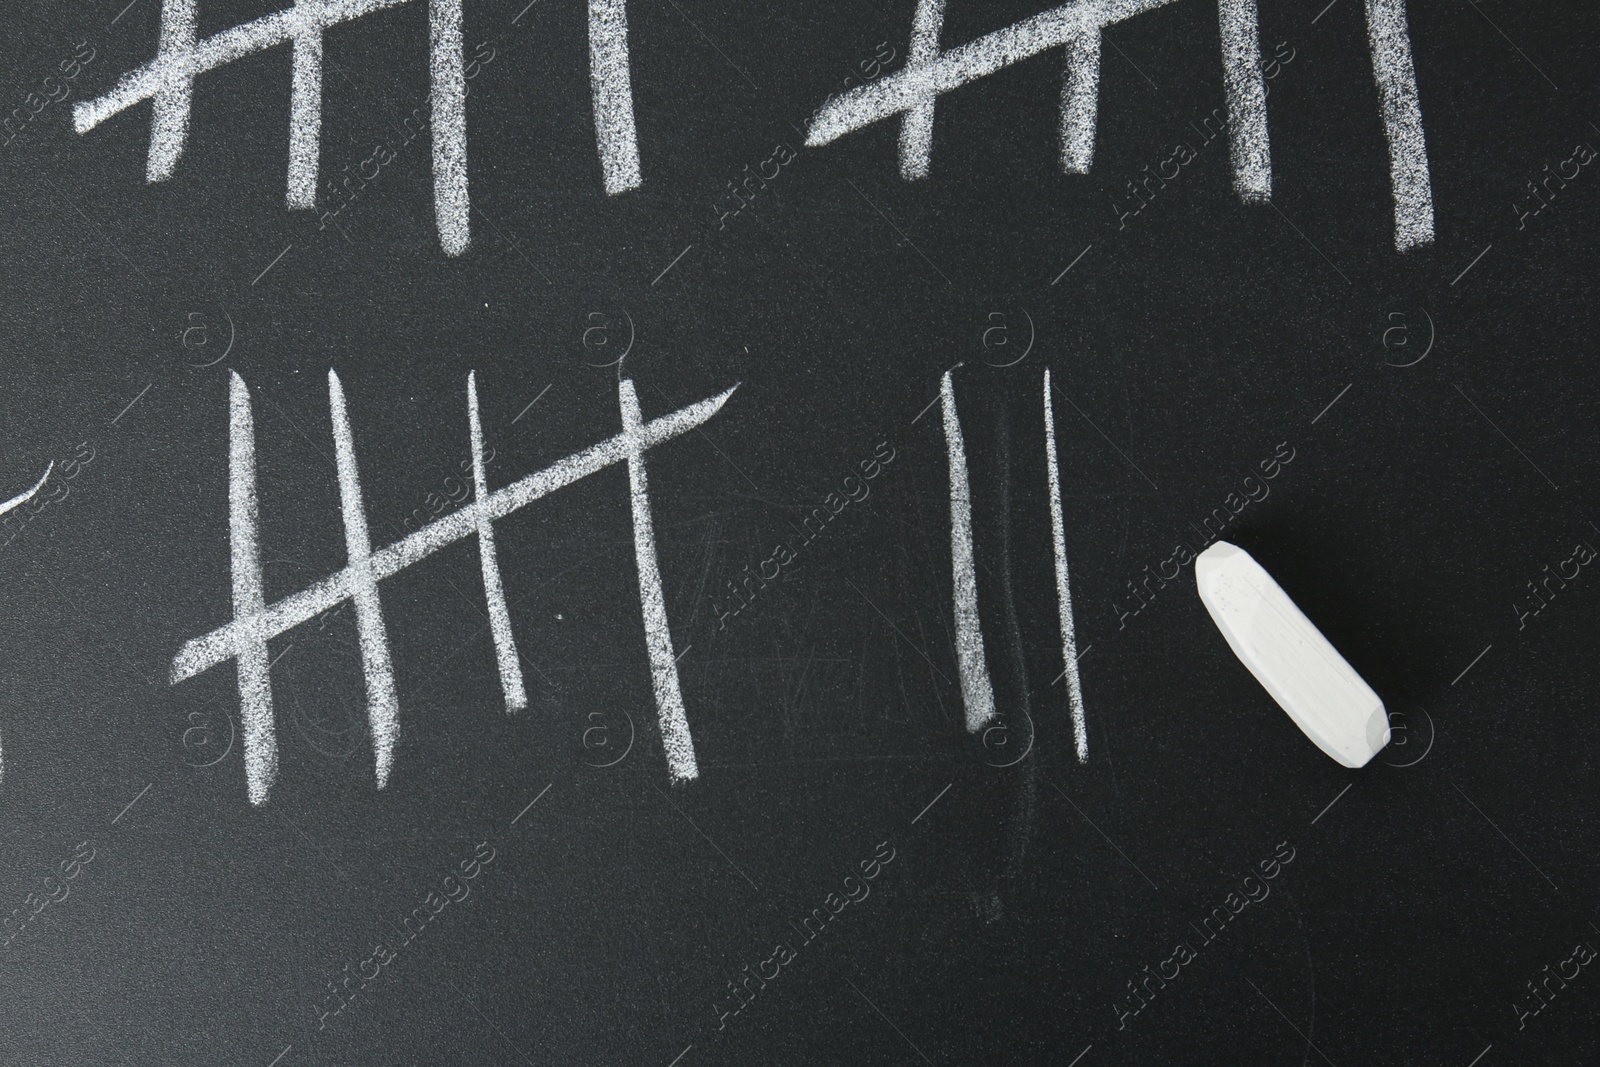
<point>1305,674</point>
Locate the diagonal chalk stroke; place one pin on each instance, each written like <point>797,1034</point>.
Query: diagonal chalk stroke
<point>1058,530</point>
<point>976,692</point>
<point>255,622</point>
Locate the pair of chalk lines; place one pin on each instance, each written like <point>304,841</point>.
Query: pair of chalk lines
<point>1076,28</point>
<point>977,692</point>
<point>255,622</point>
<point>181,56</point>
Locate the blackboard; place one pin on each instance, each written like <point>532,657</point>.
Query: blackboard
<point>694,770</point>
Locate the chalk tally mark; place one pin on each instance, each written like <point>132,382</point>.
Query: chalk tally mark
<point>1076,27</point>
<point>181,56</point>
<point>256,622</point>
<point>1058,531</point>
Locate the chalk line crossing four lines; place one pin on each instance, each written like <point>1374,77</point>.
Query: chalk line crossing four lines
<point>255,622</point>
<point>977,692</point>
<point>1076,28</point>
<point>181,56</point>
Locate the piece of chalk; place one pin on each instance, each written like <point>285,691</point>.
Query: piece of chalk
<point>1305,674</point>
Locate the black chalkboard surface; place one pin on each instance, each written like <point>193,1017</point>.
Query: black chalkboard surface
<point>663,532</point>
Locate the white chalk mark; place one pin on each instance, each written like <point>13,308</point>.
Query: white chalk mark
<point>131,803</point>
<point>916,129</point>
<point>248,644</point>
<point>1324,11</point>
<point>680,1056</point>
<point>976,692</point>
<point>505,646</point>
<point>1080,1056</point>
<point>451,205</point>
<point>169,121</point>
<point>255,623</point>
<point>1080,102</point>
<point>1069,640</point>
<point>1247,100</point>
<point>1480,1055</point>
<point>675,737</point>
<point>280,1056</point>
<point>1390,43</point>
<point>27,495</point>
<point>612,84</point>
<point>1077,28</point>
<point>383,708</point>
<point>305,104</point>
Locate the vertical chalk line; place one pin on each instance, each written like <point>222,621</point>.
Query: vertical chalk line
<point>383,710</point>
<point>305,104</point>
<point>916,129</point>
<point>611,82</point>
<point>1058,530</point>
<point>505,646</point>
<point>1247,100</point>
<point>1080,99</point>
<point>976,693</point>
<point>675,738</point>
<point>249,644</point>
<point>1390,43</point>
<point>451,205</point>
<point>169,116</point>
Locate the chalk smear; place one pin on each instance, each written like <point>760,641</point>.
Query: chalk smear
<point>977,694</point>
